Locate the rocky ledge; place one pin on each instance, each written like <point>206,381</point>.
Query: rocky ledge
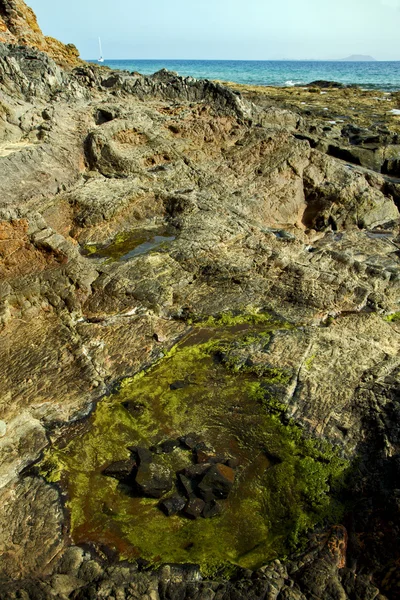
<point>135,209</point>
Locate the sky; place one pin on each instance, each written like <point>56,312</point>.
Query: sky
<point>225,29</point>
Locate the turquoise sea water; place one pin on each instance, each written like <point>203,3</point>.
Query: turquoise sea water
<point>370,75</point>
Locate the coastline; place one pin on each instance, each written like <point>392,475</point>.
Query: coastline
<point>384,75</point>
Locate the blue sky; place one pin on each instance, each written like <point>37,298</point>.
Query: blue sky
<point>225,29</point>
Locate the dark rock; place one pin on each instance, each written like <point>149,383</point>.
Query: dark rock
<point>193,441</point>
<point>211,509</point>
<point>321,83</point>
<point>194,508</point>
<point>217,482</point>
<point>196,471</point>
<point>202,456</point>
<point>172,505</point>
<point>156,449</point>
<point>134,408</point>
<point>153,480</point>
<point>169,446</point>
<point>188,486</point>
<point>121,469</point>
<point>233,463</point>
<point>178,384</point>
<point>142,455</point>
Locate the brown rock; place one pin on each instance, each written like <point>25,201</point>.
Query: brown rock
<point>217,482</point>
<point>18,25</point>
<point>194,508</point>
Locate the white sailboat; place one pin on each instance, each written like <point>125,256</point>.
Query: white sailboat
<point>100,59</point>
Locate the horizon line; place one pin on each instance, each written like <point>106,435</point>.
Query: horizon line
<point>255,59</point>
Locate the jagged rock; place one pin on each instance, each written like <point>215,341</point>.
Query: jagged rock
<point>153,480</point>
<point>194,508</point>
<point>169,446</point>
<point>178,385</point>
<point>322,83</point>
<point>142,455</point>
<point>192,441</point>
<point>188,485</point>
<point>233,463</point>
<point>211,509</point>
<point>18,25</point>
<point>195,471</point>
<point>121,469</point>
<point>172,505</point>
<point>203,456</point>
<point>217,482</point>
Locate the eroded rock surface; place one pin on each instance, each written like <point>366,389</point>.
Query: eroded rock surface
<point>19,26</point>
<point>262,220</point>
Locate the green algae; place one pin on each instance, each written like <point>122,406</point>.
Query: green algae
<point>128,244</point>
<point>308,363</point>
<point>249,316</point>
<point>284,483</point>
<point>393,318</point>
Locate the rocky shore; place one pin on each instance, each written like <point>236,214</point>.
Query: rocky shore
<point>179,257</point>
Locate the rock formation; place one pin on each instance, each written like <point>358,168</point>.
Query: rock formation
<point>261,217</point>
<point>18,25</point>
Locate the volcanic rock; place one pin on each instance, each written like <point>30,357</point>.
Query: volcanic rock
<point>194,508</point>
<point>192,441</point>
<point>142,455</point>
<point>233,463</point>
<point>173,505</point>
<point>134,408</point>
<point>169,446</point>
<point>203,456</point>
<point>121,469</point>
<point>153,480</point>
<point>211,509</point>
<point>217,482</point>
<point>178,385</point>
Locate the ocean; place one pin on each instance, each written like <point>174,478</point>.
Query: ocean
<point>369,75</point>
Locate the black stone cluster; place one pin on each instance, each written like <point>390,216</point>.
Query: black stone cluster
<point>208,478</point>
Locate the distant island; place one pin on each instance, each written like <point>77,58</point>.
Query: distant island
<point>359,58</point>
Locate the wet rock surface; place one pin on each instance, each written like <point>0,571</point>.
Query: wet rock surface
<point>273,208</point>
<point>198,485</point>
